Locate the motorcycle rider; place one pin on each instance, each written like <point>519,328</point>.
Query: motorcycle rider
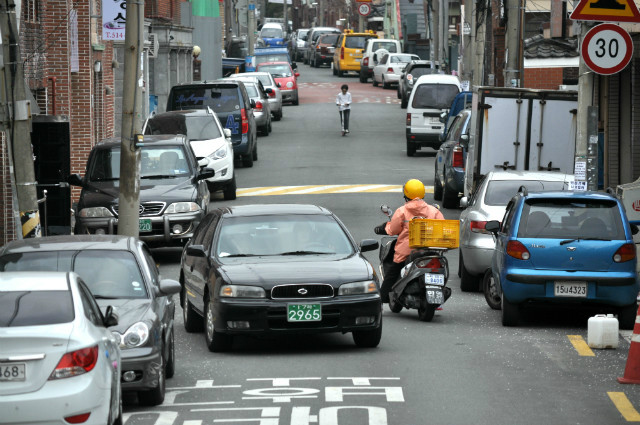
<point>414,206</point>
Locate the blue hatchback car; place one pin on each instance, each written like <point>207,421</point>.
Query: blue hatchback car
<point>565,248</point>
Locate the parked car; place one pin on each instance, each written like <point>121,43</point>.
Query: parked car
<point>349,49</point>
<point>488,203</point>
<point>262,110</point>
<point>448,180</point>
<point>296,44</point>
<point>372,50</point>
<point>230,101</point>
<point>411,73</point>
<point>272,34</point>
<point>120,272</point>
<point>312,37</point>
<point>275,95</point>
<point>173,194</point>
<point>323,50</point>
<point>286,77</point>
<point>431,96</point>
<point>58,361</point>
<point>460,102</point>
<point>390,67</point>
<point>307,275</point>
<point>565,248</point>
<point>208,141</point>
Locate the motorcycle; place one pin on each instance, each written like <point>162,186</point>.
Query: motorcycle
<point>423,279</point>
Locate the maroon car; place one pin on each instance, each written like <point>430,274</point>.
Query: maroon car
<point>323,50</point>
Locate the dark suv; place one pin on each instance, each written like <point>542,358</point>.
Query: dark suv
<point>412,72</point>
<point>323,50</point>
<point>230,101</point>
<point>173,194</point>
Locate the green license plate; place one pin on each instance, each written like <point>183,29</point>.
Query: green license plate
<point>304,312</point>
<point>145,225</point>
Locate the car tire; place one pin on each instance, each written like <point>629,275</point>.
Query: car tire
<point>398,95</point>
<point>270,127</point>
<point>627,316</point>
<point>230,190</point>
<point>192,321</point>
<point>437,187</point>
<point>426,311</point>
<point>334,70</point>
<point>394,304</point>
<point>404,102</point>
<point>296,102</point>
<point>363,78</point>
<point>278,116</point>
<point>385,85</point>
<point>254,153</point>
<point>449,199</point>
<point>247,160</point>
<point>411,149</point>
<point>490,289</point>
<point>155,396</point>
<point>510,312</point>
<point>264,131</point>
<point>468,282</point>
<point>340,73</point>
<point>373,80</point>
<point>216,342</point>
<point>368,339</point>
<point>170,369</point>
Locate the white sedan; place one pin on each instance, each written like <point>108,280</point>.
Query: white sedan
<point>59,363</point>
<point>390,67</point>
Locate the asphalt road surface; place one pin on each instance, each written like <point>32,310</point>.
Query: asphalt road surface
<point>462,368</point>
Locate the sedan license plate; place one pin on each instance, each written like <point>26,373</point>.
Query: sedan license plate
<point>12,372</point>
<point>304,312</point>
<point>434,279</point>
<point>570,289</point>
<point>145,225</point>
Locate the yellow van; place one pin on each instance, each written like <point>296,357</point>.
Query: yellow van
<point>349,48</point>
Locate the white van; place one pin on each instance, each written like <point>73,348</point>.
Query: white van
<point>431,95</point>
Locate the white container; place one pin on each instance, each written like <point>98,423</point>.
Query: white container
<point>602,331</point>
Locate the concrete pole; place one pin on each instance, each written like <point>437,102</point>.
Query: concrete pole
<point>129,202</point>
<point>286,18</point>
<point>435,19</point>
<point>512,69</point>
<point>467,42</point>
<point>585,100</point>
<point>480,33</point>
<point>15,113</point>
<point>251,24</point>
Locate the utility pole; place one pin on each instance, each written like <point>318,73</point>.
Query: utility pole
<point>512,70</point>
<point>129,202</point>
<point>15,113</point>
<point>286,18</point>
<point>251,27</point>
<point>584,146</point>
<point>435,31</point>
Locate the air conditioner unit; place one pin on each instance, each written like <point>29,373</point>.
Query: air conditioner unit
<point>154,46</point>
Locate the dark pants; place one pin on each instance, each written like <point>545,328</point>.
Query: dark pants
<point>344,119</point>
<point>391,275</point>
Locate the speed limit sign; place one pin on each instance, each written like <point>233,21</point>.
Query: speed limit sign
<point>364,9</point>
<point>607,49</point>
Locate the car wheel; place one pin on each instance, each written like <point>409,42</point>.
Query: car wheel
<point>394,304</point>
<point>368,339</point>
<point>254,154</point>
<point>296,101</point>
<point>247,160</point>
<point>363,78</point>
<point>305,60</point>
<point>490,289</point>
<point>426,311</point>
<point>385,85</point>
<point>264,131</point>
<point>334,70</point>
<point>230,190</point>
<point>216,341</point>
<point>278,116</point>
<point>449,197</point>
<point>373,80</point>
<point>270,127</point>
<point>510,313</point>
<point>155,396</point>
<point>404,102</point>
<point>398,95</point>
<point>170,369</point>
<point>468,282</point>
<point>437,187</point>
<point>411,149</point>
<point>192,320</point>
<point>627,316</point>
<point>340,73</point>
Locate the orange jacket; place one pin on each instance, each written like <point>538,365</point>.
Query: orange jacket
<point>399,224</point>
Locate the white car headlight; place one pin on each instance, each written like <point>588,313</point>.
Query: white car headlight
<point>182,207</point>
<point>289,84</point>
<point>137,335</point>
<point>220,153</point>
<point>95,212</point>
<point>355,288</point>
<point>242,291</point>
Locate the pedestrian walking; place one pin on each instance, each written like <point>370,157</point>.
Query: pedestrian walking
<point>343,100</point>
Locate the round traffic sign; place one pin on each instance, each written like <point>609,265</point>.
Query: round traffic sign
<point>364,9</point>
<point>607,49</point>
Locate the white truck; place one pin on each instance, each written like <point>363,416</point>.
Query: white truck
<point>520,129</point>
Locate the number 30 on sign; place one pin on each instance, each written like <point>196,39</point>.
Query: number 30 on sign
<point>607,49</point>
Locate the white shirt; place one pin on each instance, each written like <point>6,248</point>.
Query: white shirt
<point>343,101</point>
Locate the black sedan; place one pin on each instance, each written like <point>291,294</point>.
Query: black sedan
<point>120,272</point>
<point>278,269</point>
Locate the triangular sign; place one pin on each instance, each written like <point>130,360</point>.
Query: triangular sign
<point>606,11</point>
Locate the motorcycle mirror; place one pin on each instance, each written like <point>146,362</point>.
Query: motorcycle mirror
<point>386,210</point>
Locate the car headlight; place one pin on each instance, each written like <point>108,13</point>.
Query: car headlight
<point>137,335</point>
<point>355,288</point>
<point>289,85</point>
<point>241,291</point>
<point>182,207</point>
<point>95,212</point>
<point>220,153</point>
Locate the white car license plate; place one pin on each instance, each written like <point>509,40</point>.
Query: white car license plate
<point>304,312</point>
<point>12,372</point>
<point>433,278</point>
<point>570,289</point>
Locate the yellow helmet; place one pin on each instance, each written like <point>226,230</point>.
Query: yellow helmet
<point>413,189</point>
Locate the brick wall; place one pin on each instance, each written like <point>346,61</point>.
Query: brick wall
<point>543,78</point>
<point>163,9</point>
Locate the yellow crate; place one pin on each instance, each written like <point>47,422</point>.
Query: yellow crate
<point>434,233</point>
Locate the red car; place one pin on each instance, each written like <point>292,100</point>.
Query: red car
<point>284,77</point>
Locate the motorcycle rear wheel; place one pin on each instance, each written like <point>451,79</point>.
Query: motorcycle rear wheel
<point>426,311</point>
<point>394,304</point>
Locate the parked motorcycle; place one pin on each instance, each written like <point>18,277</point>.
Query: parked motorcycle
<point>423,280</point>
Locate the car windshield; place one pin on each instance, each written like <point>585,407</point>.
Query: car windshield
<point>499,192</point>
<point>167,161</point>
<point>329,39</point>
<point>282,235</point>
<point>195,128</point>
<point>273,57</point>
<point>389,46</point>
<point>222,98</point>
<point>35,308</point>
<point>277,71</point>
<point>434,96</point>
<point>565,218</point>
<point>417,72</point>
<point>356,41</point>
<point>107,273</point>
<point>271,33</point>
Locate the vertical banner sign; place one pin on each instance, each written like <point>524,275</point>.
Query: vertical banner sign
<point>74,61</point>
<point>208,8</point>
<point>114,17</point>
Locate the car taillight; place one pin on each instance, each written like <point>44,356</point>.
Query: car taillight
<point>457,157</point>
<point>434,264</point>
<point>408,119</point>
<point>78,419</point>
<point>478,227</point>
<point>390,70</point>
<point>76,363</point>
<point>245,121</point>
<point>365,61</point>
<point>516,250</point>
<point>342,53</point>
<point>259,106</point>
<point>626,252</point>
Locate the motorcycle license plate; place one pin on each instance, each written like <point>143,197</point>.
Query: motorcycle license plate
<point>435,296</point>
<point>433,279</point>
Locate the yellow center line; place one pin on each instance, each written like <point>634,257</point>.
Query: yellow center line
<point>321,189</point>
<point>624,406</point>
<point>580,345</point>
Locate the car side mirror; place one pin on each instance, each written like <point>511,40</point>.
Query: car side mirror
<point>110,317</point>
<point>443,117</point>
<point>227,131</point>
<point>464,140</point>
<point>206,173</point>
<point>294,65</point>
<point>492,226</point>
<point>278,84</point>
<point>196,251</point>
<point>252,103</point>
<point>169,287</point>
<point>203,161</point>
<point>74,180</point>
<point>464,202</point>
<point>634,229</point>
<point>268,90</point>
<point>369,245</point>
<point>297,74</point>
